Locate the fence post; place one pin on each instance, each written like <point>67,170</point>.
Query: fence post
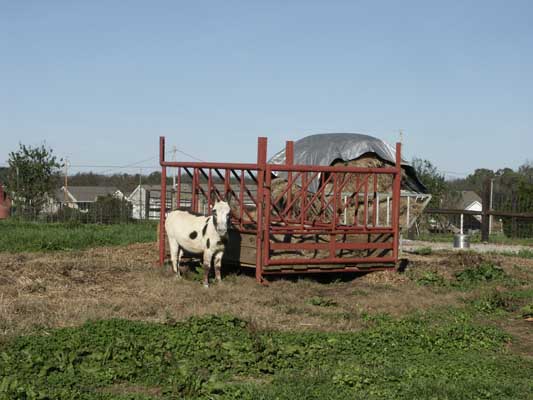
<point>162,201</point>
<point>485,208</point>
<point>146,205</point>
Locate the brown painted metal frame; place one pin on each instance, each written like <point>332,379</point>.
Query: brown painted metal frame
<point>270,219</point>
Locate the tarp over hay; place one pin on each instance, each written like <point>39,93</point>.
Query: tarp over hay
<point>358,150</point>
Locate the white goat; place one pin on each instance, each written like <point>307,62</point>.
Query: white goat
<point>198,234</point>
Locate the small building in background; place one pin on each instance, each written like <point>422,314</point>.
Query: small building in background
<point>469,200</point>
<point>81,197</point>
<point>146,200</point>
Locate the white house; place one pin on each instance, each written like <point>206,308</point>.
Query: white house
<point>146,200</point>
<point>80,197</point>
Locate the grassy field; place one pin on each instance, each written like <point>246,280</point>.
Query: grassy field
<point>475,238</point>
<point>17,236</point>
<point>105,323</point>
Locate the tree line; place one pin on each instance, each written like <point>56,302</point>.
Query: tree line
<point>35,171</point>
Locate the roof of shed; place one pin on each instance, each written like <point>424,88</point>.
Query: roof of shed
<point>87,193</point>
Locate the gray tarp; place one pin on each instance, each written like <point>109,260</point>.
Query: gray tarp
<point>325,148</point>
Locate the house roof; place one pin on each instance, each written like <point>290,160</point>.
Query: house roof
<point>467,198</point>
<point>87,193</point>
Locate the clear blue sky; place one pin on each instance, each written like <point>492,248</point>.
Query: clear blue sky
<point>99,81</point>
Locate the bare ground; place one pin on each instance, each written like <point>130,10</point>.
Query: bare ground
<point>39,291</point>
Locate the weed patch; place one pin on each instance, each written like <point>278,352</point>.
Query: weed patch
<point>226,358</point>
<point>321,302</point>
<point>494,301</point>
<point>485,272</point>
<point>423,251</point>
<point>527,311</point>
<point>431,278</point>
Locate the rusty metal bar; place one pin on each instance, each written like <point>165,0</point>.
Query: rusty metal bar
<point>214,165</point>
<point>325,246</point>
<point>289,161</point>
<point>267,214</point>
<point>324,270</point>
<point>325,229</point>
<point>261,168</point>
<point>343,169</point>
<point>375,205</point>
<point>365,200</point>
<point>209,189</point>
<point>396,198</point>
<point>330,260</point>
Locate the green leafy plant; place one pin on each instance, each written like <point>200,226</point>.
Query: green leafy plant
<point>430,278</point>
<point>322,302</point>
<point>493,301</point>
<point>484,272</point>
<point>423,251</point>
<point>527,311</point>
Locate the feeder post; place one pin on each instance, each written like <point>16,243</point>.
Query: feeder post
<point>163,200</point>
<point>396,198</point>
<point>289,160</point>
<point>261,171</point>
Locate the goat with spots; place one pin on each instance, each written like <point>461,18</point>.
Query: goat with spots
<point>199,235</point>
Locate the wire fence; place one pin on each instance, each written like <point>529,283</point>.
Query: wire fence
<point>509,214</point>
<point>108,211</point>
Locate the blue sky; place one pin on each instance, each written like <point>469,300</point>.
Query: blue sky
<point>100,81</point>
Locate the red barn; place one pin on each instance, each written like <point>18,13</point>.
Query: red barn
<point>5,203</point>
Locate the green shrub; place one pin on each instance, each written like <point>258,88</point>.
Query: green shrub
<point>430,278</point>
<point>484,272</point>
<point>494,301</point>
<point>321,302</point>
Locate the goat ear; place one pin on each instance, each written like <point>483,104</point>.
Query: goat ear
<point>214,197</point>
<point>229,196</point>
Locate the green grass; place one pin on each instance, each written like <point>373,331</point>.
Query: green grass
<point>17,236</point>
<point>221,357</point>
<point>523,253</point>
<point>466,279</point>
<point>476,238</point>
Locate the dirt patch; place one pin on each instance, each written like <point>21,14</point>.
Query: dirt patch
<point>42,291</point>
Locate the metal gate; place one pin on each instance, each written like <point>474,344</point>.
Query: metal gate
<point>336,227</point>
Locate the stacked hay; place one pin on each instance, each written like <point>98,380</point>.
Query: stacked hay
<point>354,211</point>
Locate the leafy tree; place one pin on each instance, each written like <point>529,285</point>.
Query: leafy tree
<point>432,179</point>
<point>33,172</point>
<point>3,174</point>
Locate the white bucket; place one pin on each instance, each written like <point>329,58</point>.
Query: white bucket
<point>461,241</point>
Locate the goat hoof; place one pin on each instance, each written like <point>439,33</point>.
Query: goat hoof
<point>206,285</point>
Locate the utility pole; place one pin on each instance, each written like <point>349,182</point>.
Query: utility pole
<point>65,186</point>
<point>141,207</point>
<point>174,150</point>
<point>490,205</point>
